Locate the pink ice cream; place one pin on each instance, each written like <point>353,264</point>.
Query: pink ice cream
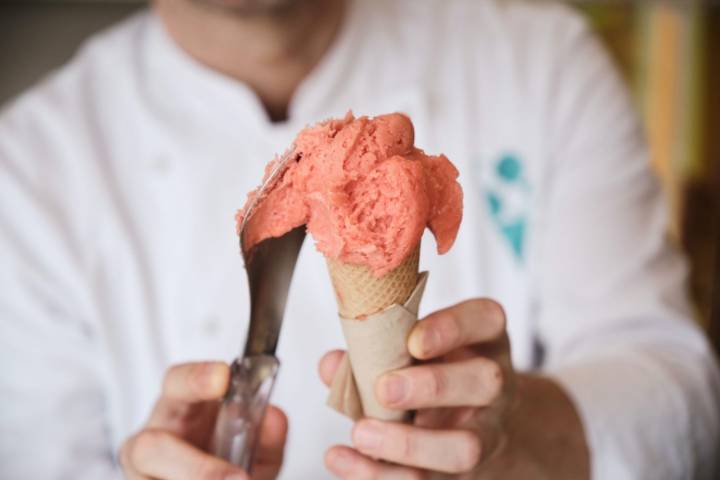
<point>364,191</point>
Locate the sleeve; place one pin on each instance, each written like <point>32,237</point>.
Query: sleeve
<point>52,421</point>
<point>613,315</point>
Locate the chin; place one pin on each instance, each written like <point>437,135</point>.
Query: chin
<point>251,6</point>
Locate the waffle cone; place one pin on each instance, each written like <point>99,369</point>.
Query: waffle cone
<point>359,293</point>
<point>376,315</point>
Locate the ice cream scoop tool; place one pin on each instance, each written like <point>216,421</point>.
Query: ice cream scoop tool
<point>269,266</point>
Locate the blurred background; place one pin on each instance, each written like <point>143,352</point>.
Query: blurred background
<point>668,51</point>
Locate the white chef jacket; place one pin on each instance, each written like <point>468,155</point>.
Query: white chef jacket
<point>121,172</point>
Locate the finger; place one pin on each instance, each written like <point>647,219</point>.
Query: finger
<point>273,434</point>
<point>467,323</point>
<point>476,382</point>
<point>186,390</point>
<point>450,451</point>
<point>485,422</point>
<point>329,364</point>
<point>196,382</point>
<point>347,463</point>
<point>159,454</point>
<point>128,469</point>
<point>455,417</point>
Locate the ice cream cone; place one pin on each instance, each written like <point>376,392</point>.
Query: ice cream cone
<point>377,315</point>
<point>362,184</point>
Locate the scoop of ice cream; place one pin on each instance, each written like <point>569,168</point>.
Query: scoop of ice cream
<point>365,192</point>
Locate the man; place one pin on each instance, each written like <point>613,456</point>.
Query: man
<point>121,281</point>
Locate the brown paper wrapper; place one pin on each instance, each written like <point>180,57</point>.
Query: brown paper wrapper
<point>376,344</point>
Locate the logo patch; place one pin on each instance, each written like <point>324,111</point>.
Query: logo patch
<point>507,193</point>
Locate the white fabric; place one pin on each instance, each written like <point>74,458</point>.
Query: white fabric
<point>120,175</point>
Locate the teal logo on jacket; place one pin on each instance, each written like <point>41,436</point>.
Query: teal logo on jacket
<point>506,194</point>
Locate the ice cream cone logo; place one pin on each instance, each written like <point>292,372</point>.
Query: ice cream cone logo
<point>506,193</point>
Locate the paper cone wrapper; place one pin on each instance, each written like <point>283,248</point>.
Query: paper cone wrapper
<point>376,315</point>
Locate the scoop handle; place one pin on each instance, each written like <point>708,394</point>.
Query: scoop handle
<point>242,410</point>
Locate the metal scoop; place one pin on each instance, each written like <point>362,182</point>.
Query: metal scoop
<point>269,266</point>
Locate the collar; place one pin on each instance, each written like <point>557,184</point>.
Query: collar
<point>173,74</point>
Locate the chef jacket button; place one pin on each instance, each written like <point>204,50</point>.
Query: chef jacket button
<point>160,164</point>
<point>211,326</point>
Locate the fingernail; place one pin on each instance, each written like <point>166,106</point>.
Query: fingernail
<point>394,388</point>
<point>367,436</point>
<point>424,342</point>
<point>340,462</point>
<point>207,377</point>
<point>202,375</point>
<point>416,341</point>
